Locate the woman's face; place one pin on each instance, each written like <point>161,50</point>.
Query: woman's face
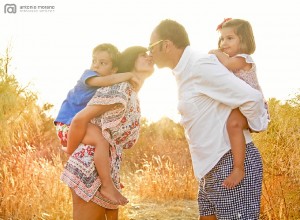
<point>144,63</point>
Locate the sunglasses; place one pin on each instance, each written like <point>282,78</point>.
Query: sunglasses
<point>153,45</point>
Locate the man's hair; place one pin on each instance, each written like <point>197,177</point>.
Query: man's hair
<point>171,30</point>
<point>243,30</point>
<point>111,50</point>
<point>128,58</point>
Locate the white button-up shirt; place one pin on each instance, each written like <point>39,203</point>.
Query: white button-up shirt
<point>207,93</point>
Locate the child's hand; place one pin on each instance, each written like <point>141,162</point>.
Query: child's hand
<point>214,51</point>
<point>136,83</point>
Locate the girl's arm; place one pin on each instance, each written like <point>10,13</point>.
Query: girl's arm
<point>109,80</point>
<point>232,63</point>
<point>80,123</point>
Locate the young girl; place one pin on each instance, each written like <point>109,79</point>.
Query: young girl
<point>236,43</point>
<point>104,65</point>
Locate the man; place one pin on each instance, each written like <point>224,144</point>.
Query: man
<point>207,92</point>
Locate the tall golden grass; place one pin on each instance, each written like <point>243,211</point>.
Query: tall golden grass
<point>157,172</point>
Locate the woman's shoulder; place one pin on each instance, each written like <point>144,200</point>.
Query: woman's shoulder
<point>116,88</point>
<point>119,92</point>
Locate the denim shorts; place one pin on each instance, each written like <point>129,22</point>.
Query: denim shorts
<point>241,202</point>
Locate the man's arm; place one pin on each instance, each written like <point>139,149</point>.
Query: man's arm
<point>221,85</point>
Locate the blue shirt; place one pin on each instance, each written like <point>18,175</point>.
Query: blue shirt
<point>77,98</point>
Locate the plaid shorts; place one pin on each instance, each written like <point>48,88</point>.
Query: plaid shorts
<point>241,202</point>
<point>62,132</point>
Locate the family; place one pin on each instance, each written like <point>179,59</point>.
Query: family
<point>220,102</point>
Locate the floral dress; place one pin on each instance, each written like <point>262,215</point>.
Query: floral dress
<point>120,127</point>
<point>250,76</point>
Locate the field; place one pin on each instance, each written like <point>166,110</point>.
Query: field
<point>157,172</point>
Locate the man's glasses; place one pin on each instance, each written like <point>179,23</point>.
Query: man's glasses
<point>153,45</point>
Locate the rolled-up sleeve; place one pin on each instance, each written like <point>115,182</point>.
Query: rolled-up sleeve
<point>221,85</point>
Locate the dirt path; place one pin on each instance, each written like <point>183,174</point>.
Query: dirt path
<point>171,210</point>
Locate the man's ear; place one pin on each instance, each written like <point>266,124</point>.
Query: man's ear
<point>168,44</point>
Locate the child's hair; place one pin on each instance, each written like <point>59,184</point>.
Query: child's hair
<point>243,30</point>
<point>111,50</point>
<point>128,58</point>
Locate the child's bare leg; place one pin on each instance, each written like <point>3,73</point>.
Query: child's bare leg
<point>94,137</point>
<point>235,125</point>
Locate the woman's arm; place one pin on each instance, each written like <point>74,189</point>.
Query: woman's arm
<point>80,122</point>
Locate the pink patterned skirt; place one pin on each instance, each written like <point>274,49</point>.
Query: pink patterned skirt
<point>80,174</point>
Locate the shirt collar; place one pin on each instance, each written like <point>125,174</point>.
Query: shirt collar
<point>183,61</point>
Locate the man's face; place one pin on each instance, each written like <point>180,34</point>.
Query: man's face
<point>156,50</point>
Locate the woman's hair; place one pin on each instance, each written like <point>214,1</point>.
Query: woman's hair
<point>128,58</point>
<point>173,31</point>
<point>243,30</point>
<point>112,50</point>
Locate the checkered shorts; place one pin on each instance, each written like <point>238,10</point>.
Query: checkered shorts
<point>241,202</point>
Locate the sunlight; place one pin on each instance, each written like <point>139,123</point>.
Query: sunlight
<point>158,96</point>
<point>53,53</point>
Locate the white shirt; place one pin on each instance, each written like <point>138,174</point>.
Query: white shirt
<point>207,92</point>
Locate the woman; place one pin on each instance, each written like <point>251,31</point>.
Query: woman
<point>116,111</point>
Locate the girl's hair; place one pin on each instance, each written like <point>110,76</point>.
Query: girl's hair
<point>243,30</point>
<point>171,30</point>
<point>128,58</point>
<point>112,50</point>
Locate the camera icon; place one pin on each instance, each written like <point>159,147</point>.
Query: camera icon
<point>10,8</point>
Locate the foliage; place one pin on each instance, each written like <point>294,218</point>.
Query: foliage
<point>23,122</point>
<point>157,171</point>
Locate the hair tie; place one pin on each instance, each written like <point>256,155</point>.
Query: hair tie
<point>220,25</point>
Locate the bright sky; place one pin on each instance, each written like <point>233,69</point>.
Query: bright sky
<point>52,49</point>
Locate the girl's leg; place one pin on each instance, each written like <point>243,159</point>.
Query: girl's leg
<point>95,138</point>
<point>236,123</point>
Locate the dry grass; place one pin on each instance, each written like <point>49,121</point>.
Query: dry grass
<point>30,187</point>
<point>281,154</point>
<point>157,172</point>
<point>157,175</point>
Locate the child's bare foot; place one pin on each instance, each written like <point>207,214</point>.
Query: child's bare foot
<point>112,194</point>
<point>234,178</point>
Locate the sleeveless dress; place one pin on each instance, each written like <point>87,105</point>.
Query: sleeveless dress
<point>120,127</point>
<point>250,76</point>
